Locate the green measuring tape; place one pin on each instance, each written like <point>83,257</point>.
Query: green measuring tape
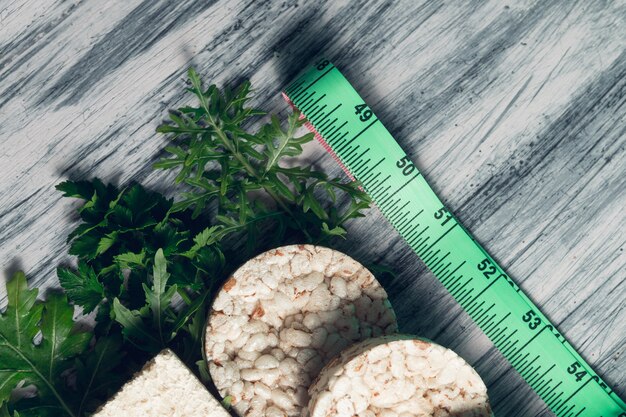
<point>354,136</point>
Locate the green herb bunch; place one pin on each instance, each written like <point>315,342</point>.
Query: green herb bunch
<point>147,266</point>
<point>224,163</point>
<point>119,236</point>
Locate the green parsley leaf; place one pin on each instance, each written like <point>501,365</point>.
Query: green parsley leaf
<point>82,287</point>
<point>130,259</point>
<point>77,189</point>
<point>119,244</point>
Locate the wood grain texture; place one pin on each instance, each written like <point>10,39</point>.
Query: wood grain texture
<point>516,114</point>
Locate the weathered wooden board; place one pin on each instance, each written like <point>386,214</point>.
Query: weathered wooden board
<point>516,113</point>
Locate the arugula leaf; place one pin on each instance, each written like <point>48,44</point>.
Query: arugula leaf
<point>208,236</point>
<point>140,326</point>
<point>39,363</point>
<point>226,165</point>
<point>159,298</point>
<point>134,329</point>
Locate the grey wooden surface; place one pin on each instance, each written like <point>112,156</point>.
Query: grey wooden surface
<point>515,113</point>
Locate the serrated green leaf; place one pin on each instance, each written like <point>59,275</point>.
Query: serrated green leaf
<point>176,150</point>
<point>83,228</point>
<point>139,201</point>
<point>60,341</point>
<point>150,328</point>
<point>205,238</point>
<point>182,205</point>
<point>168,163</point>
<point>82,287</point>
<point>129,259</point>
<point>106,242</point>
<point>165,128</point>
<point>133,328</point>
<point>335,231</point>
<point>315,206</point>
<point>41,364</point>
<point>76,189</point>
<point>85,246</point>
<point>121,216</point>
<point>18,326</point>
<point>253,162</point>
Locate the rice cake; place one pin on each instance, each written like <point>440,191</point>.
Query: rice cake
<point>281,317</point>
<point>398,376</point>
<point>164,387</point>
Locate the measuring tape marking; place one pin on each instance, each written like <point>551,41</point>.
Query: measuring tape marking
<point>366,151</point>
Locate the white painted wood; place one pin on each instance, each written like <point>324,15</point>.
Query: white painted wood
<point>515,113</point>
